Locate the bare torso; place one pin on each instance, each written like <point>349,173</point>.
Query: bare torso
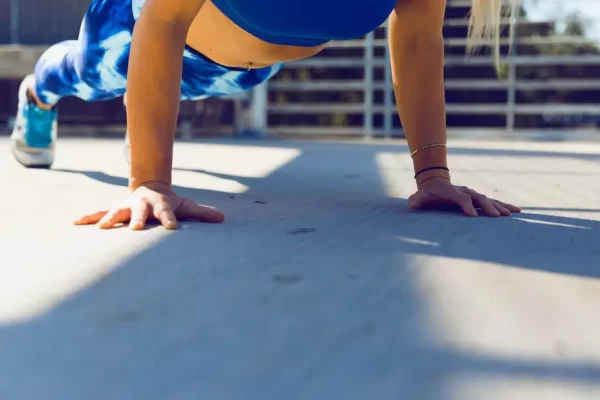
<point>218,38</point>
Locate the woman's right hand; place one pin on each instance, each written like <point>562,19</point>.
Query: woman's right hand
<point>152,200</point>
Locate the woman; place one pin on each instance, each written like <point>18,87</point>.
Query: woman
<point>229,46</point>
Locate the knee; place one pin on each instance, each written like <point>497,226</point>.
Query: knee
<point>102,71</point>
<point>86,66</point>
<point>72,69</point>
<point>68,63</point>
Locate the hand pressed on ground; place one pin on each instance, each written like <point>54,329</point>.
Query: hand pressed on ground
<point>440,192</point>
<point>152,200</point>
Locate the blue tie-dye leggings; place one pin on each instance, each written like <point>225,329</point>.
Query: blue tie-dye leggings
<point>94,67</point>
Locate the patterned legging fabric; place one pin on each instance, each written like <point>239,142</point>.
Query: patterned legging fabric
<point>94,67</point>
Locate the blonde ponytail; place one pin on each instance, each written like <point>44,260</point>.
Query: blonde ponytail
<point>485,21</point>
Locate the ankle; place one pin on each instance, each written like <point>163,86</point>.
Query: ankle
<point>37,101</point>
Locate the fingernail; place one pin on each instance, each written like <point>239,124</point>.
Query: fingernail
<point>171,224</point>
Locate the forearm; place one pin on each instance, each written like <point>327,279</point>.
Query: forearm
<point>153,93</point>
<point>418,76</point>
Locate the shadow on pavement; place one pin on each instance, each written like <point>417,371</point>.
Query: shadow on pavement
<point>310,294</point>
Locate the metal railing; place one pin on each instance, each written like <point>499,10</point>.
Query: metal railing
<point>367,85</point>
<point>511,103</point>
<point>367,107</point>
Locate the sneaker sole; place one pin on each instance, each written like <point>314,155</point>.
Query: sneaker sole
<point>42,159</point>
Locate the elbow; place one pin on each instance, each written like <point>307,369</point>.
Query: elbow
<point>160,28</point>
<point>416,50</point>
<point>414,44</point>
<point>174,16</point>
<point>414,36</point>
<point>403,35</point>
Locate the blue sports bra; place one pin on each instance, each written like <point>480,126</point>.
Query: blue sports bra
<point>306,22</point>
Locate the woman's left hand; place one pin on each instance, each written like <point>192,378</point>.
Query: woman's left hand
<point>437,193</point>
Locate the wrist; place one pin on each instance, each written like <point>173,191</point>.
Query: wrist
<point>422,179</point>
<point>432,157</point>
<point>430,164</point>
<point>144,174</point>
<point>426,174</point>
<point>148,162</point>
<point>157,186</point>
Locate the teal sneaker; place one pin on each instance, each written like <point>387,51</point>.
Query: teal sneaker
<point>35,130</point>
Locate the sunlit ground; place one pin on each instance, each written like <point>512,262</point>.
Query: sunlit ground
<point>321,283</point>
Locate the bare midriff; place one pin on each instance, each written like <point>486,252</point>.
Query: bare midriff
<point>214,35</point>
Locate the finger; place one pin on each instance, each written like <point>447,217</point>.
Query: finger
<point>139,215</point>
<point>422,200</point>
<point>503,210</point>
<point>464,201</point>
<point>190,210</point>
<point>114,217</point>
<point>485,204</point>
<point>416,200</point>
<point>510,207</point>
<point>162,212</point>
<point>91,219</point>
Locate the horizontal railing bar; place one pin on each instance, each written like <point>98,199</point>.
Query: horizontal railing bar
<point>559,84</point>
<point>523,60</point>
<point>323,85</point>
<point>320,108</point>
<point>464,21</point>
<point>478,84</point>
<point>482,84</point>
<point>462,42</point>
<point>550,109</point>
<point>320,130</point>
<point>454,61</point>
<point>470,108</point>
<point>531,40</point>
<point>326,108</point>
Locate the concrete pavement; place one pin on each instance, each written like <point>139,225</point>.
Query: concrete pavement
<point>320,285</point>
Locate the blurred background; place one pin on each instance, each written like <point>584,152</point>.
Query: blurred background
<point>547,83</point>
